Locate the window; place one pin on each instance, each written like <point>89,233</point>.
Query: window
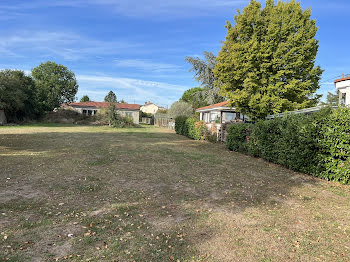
<point>229,116</point>
<point>343,98</point>
<point>214,116</point>
<point>128,114</point>
<point>89,112</point>
<point>84,112</point>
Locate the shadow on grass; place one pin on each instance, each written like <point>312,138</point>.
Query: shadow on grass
<point>173,182</point>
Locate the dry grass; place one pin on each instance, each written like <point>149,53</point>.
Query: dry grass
<point>101,194</point>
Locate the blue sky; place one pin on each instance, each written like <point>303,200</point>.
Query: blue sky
<point>137,47</point>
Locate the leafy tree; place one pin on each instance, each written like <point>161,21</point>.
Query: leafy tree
<point>267,62</point>
<point>194,96</point>
<point>17,95</point>
<point>204,74</point>
<point>55,83</point>
<point>333,99</point>
<point>180,108</point>
<point>111,97</point>
<point>85,99</point>
<point>122,101</point>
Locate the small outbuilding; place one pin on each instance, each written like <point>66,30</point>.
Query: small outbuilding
<point>218,116</point>
<point>220,113</point>
<point>3,119</point>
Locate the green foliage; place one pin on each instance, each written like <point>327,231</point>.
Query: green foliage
<point>18,95</point>
<point>196,129</point>
<point>204,74</point>
<point>267,62</point>
<point>180,125</point>
<point>55,84</point>
<point>115,119</point>
<point>237,136</point>
<point>193,128</point>
<point>111,97</point>
<point>194,96</point>
<point>180,108</point>
<point>85,99</point>
<point>318,144</point>
<point>334,145</point>
<point>332,99</point>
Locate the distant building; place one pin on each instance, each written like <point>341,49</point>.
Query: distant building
<point>91,108</point>
<point>150,108</point>
<point>343,86</point>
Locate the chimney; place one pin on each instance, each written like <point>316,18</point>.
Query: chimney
<point>342,75</point>
<point>145,102</point>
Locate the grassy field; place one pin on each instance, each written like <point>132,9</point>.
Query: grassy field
<point>100,194</point>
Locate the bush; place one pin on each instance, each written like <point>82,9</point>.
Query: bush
<point>66,116</point>
<point>117,120</point>
<point>334,145</point>
<point>318,144</point>
<point>180,125</point>
<point>236,139</point>
<point>192,128</point>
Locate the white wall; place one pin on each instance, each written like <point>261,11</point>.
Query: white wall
<point>149,108</point>
<point>344,87</point>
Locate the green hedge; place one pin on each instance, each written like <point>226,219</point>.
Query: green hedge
<point>192,128</point>
<point>236,137</point>
<point>318,144</point>
<point>180,125</point>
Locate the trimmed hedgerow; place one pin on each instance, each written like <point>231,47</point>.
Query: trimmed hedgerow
<point>318,144</point>
<point>180,125</point>
<point>334,145</point>
<point>192,128</point>
<point>237,137</point>
<point>196,129</point>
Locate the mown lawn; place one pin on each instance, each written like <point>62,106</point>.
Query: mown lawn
<point>100,194</point>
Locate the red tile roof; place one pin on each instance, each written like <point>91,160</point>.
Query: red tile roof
<point>105,104</point>
<point>341,79</point>
<point>214,105</point>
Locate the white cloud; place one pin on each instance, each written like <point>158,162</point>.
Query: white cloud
<point>170,8</point>
<point>67,45</point>
<point>137,8</point>
<point>129,88</point>
<point>147,65</point>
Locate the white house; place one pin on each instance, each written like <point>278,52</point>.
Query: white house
<point>220,113</point>
<point>218,116</point>
<point>149,108</point>
<point>343,86</point>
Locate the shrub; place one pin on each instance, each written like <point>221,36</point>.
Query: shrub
<point>117,120</point>
<point>196,129</point>
<point>192,128</point>
<point>334,145</point>
<point>318,144</point>
<point>236,139</point>
<point>180,125</point>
